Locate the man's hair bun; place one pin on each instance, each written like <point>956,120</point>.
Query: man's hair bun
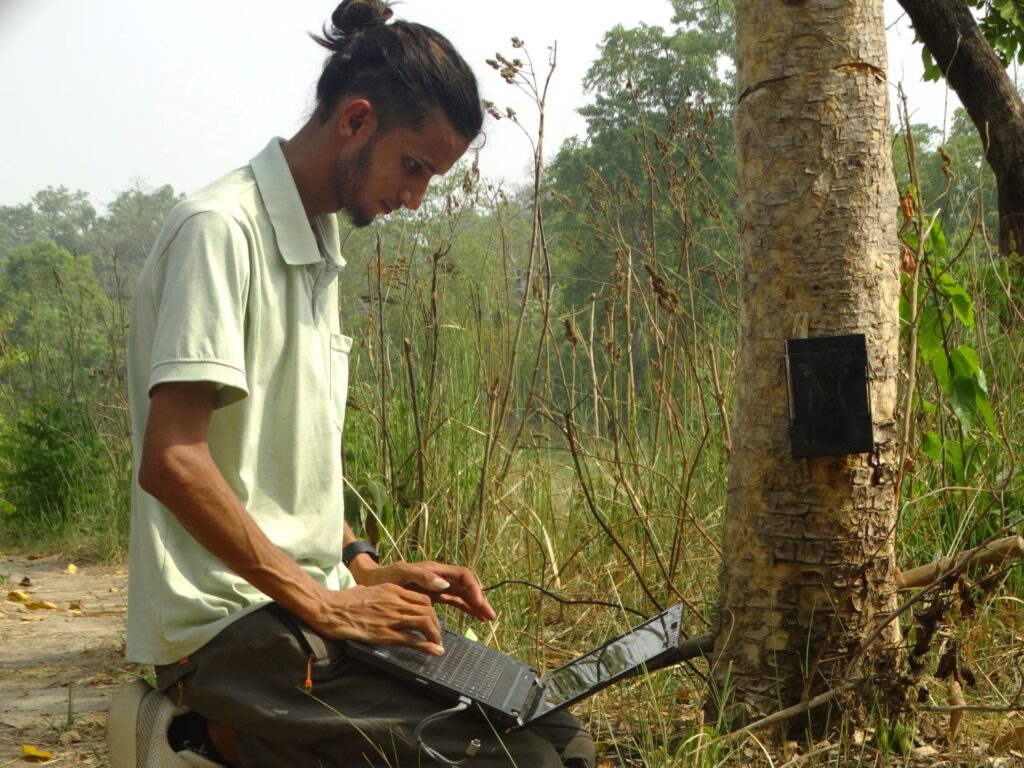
<point>406,70</point>
<point>354,16</point>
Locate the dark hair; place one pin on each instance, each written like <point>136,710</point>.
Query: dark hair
<point>407,70</point>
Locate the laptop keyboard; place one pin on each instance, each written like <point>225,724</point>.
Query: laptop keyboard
<point>466,666</point>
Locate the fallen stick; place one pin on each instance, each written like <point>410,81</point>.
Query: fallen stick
<point>990,554</point>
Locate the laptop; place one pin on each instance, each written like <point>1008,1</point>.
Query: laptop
<point>512,693</point>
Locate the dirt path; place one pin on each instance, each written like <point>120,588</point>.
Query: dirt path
<point>60,665</point>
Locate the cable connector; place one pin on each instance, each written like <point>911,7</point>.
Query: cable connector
<point>471,750</point>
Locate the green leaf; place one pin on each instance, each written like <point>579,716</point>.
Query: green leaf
<point>932,446</point>
<point>963,307</point>
<point>937,242</point>
<point>910,239</point>
<point>965,363</point>
<point>961,398</point>
<point>985,409</point>
<point>970,387</point>
<point>1007,11</point>
<point>929,333</point>
<point>940,367</point>
<point>932,71</point>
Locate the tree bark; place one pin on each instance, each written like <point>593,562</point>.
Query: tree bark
<point>808,551</point>
<point>972,69</point>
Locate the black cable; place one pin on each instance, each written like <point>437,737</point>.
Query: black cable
<point>565,600</point>
<point>471,749</point>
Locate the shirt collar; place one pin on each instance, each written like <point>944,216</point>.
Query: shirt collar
<point>295,239</point>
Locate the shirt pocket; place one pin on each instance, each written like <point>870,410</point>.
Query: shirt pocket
<point>340,348</point>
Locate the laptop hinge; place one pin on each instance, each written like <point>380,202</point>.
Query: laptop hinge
<point>533,699</point>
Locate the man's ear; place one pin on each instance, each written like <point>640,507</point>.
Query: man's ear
<point>356,117</point>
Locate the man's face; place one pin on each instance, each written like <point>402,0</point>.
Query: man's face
<point>392,170</point>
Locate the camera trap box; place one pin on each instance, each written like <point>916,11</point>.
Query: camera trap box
<point>829,399</point>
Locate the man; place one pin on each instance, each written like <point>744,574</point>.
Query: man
<point>244,581</point>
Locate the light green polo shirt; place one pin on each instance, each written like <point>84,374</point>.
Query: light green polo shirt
<point>238,291</point>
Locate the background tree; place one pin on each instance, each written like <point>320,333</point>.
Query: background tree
<point>973,58</point>
<point>808,562</point>
<point>121,239</point>
<point>954,178</point>
<point>55,214</point>
<point>52,320</point>
<point>659,125</point>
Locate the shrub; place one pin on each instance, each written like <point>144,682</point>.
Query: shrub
<point>53,463</point>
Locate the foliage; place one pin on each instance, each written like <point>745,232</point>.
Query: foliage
<point>62,396</point>
<point>122,238</point>
<point>957,314</point>
<point>52,317</point>
<point>953,176</point>
<point>118,240</point>
<point>53,462</point>
<point>942,315</point>
<point>1002,24</point>
<point>660,119</point>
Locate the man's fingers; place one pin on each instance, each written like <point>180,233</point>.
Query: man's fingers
<point>468,588</point>
<point>415,576</point>
<point>457,602</point>
<point>416,642</point>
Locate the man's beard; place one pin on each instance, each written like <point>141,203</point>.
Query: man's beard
<point>349,174</point>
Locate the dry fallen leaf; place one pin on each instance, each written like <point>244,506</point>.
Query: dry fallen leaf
<point>1014,739</point>
<point>29,603</point>
<point>72,568</point>
<point>27,750</point>
<point>955,698</point>
<point>75,605</point>
<point>70,737</point>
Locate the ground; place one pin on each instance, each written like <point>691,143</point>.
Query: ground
<point>61,658</point>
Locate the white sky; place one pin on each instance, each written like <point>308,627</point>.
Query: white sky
<point>99,94</point>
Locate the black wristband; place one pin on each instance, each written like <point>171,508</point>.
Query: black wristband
<point>358,547</point>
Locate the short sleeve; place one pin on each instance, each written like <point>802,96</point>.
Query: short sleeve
<point>201,307</point>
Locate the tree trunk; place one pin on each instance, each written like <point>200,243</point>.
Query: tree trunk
<point>972,69</point>
<point>808,560</point>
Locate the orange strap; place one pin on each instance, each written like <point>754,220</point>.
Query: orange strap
<point>309,671</point>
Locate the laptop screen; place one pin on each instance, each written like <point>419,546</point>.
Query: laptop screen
<point>619,658</point>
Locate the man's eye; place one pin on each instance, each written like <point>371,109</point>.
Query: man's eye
<point>413,166</point>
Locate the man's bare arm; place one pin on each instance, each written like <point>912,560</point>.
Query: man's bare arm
<point>177,469</point>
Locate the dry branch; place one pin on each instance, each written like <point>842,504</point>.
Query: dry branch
<point>695,646</point>
<point>993,553</point>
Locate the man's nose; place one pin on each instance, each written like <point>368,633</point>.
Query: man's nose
<point>411,198</point>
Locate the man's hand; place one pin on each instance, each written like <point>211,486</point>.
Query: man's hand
<point>442,583</point>
<point>382,614</point>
